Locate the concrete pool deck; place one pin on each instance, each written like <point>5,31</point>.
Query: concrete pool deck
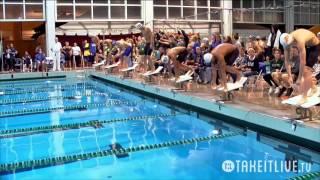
<point>249,109</point>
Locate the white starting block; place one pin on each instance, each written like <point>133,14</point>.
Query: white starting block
<point>303,110</point>
<point>126,71</point>
<point>110,67</point>
<point>184,78</point>
<point>99,64</point>
<point>231,87</point>
<point>149,74</point>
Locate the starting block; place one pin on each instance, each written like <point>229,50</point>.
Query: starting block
<point>149,74</point>
<point>184,78</point>
<point>228,95</point>
<point>110,67</point>
<point>126,71</point>
<point>99,64</point>
<point>303,110</point>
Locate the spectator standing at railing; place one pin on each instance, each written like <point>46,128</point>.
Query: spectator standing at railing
<point>7,58</point>
<point>86,53</point>
<point>57,48</point>
<point>93,51</point>
<point>76,55</point>
<point>273,40</point>
<point>67,49</point>
<point>13,53</point>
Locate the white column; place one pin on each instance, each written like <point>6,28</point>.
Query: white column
<point>289,15</point>
<point>147,12</point>
<point>227,26</point>
<point>50,27</point>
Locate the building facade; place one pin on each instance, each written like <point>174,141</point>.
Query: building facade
<point>117,16</point>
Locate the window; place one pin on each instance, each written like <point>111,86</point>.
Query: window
<point>83,1</point>
<point>34,1</point>
<point>215,14</point>
<point>134,12</point>
<point>188,2</point>
<point>160,12</point>
<point>216,3</point>
<point>202,3</point>
<point>65,12</point>
<point>117,1</point>
<point>246,3</point>
<point>202,14</point>
<point>100,1</point>
<point>100,12</point>
<point>174,12</point>
<point>34,12</point>
<point>159,2</point>
<point>269,3</point>
<point>236,4</point>
<point>174,2</point>
<point>188,13</point>
<point>247,16</point>
<point>258,4</point>
<point>83,12</point>
<point>133,1</point>
<point>117,12</point>
<point>236,14</point>
<point>65,1</point>
<point>14,11</point>
<point>258,16</point>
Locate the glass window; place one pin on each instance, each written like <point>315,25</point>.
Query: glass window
<point>236,4</point>
<point>1,11</point>
<point>160,12</point>
<point>269,17</point>
<point>34,12</point>
<point>117,12</point>
<point>258,16</point>
<point>246,3</point>
<point>247,16</point>
<point>279,17</point>
<point>236,13</point>
<point>159,2</point>
<point>216,3</point>
<point>215,14</point>
<point>305,18</point>
<point>279,3</point>
<point>65,12</point>
<point>269,3</point>
<point>202,13</point>
<point>202,3</point>
<point>100,12</point>
<point>117,1</point>
<point>13,1</point>
<point>14,11</point>
<point>174,12</point>
<point>100,1</point>
<point>315,19</point>
<point>83,12</point>
<point>258,4</point>
<point>34,1</point>
<point>83,1</point>
<point>296,18</point>
<point>174,2</point>
<point>188,2</point>
<point>65,1</point>
<point>133,1</point>
<point>134,12</point>
<point>188,13</point>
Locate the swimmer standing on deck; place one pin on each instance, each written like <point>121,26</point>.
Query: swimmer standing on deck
<point>309,48</point>
<point>223,57</point>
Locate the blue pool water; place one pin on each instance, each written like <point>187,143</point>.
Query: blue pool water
<point>199,160</point>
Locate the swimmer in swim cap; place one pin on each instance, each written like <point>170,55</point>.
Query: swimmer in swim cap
<point>309,48</point>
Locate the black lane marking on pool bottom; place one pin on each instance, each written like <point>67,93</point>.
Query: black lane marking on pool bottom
<point>94,123</point>
<point>118,147</point>
<point>308,176</point>
<point>47,89</point>
<point>47,162</point>
<point>65,108</point>
<point>47,98</point>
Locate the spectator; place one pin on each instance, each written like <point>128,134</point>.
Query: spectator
<point>273,40</point>
<point>93,51</point>
<point>13,53</point>
<point>252,63</point>
<point>27,60</point>
<point>76,55</point>
<point>273,69</point>
<point>86,52</point>
<point>7,59</point>
<point>67,50</point>
<point>40,60</point>
<point>216,40</point>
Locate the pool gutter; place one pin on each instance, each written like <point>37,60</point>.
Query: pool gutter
<point>274,126</point>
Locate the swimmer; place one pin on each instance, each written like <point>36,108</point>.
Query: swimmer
<point>125,53</point>
<point>223,57</point>
<point>178,55</point>
<point>309,47</point>
<point>149,40</point>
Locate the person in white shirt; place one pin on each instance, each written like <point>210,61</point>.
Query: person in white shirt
<point>76,55</point>
<point>57,53</point>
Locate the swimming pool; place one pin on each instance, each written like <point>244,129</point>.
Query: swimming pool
<point>80,128</point>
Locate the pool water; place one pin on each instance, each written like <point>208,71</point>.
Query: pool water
<point>30,104</point>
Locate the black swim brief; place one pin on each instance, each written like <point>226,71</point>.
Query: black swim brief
<point>147,50</point>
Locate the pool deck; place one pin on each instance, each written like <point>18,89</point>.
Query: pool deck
<point>250,108</point>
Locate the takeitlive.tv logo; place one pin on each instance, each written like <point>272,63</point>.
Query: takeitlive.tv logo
<point>265,166</point>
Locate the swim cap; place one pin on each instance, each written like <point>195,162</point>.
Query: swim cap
<point>138,26</point>
<point>165,59</point>
<point>286,39</point>
<point>207,58</point>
